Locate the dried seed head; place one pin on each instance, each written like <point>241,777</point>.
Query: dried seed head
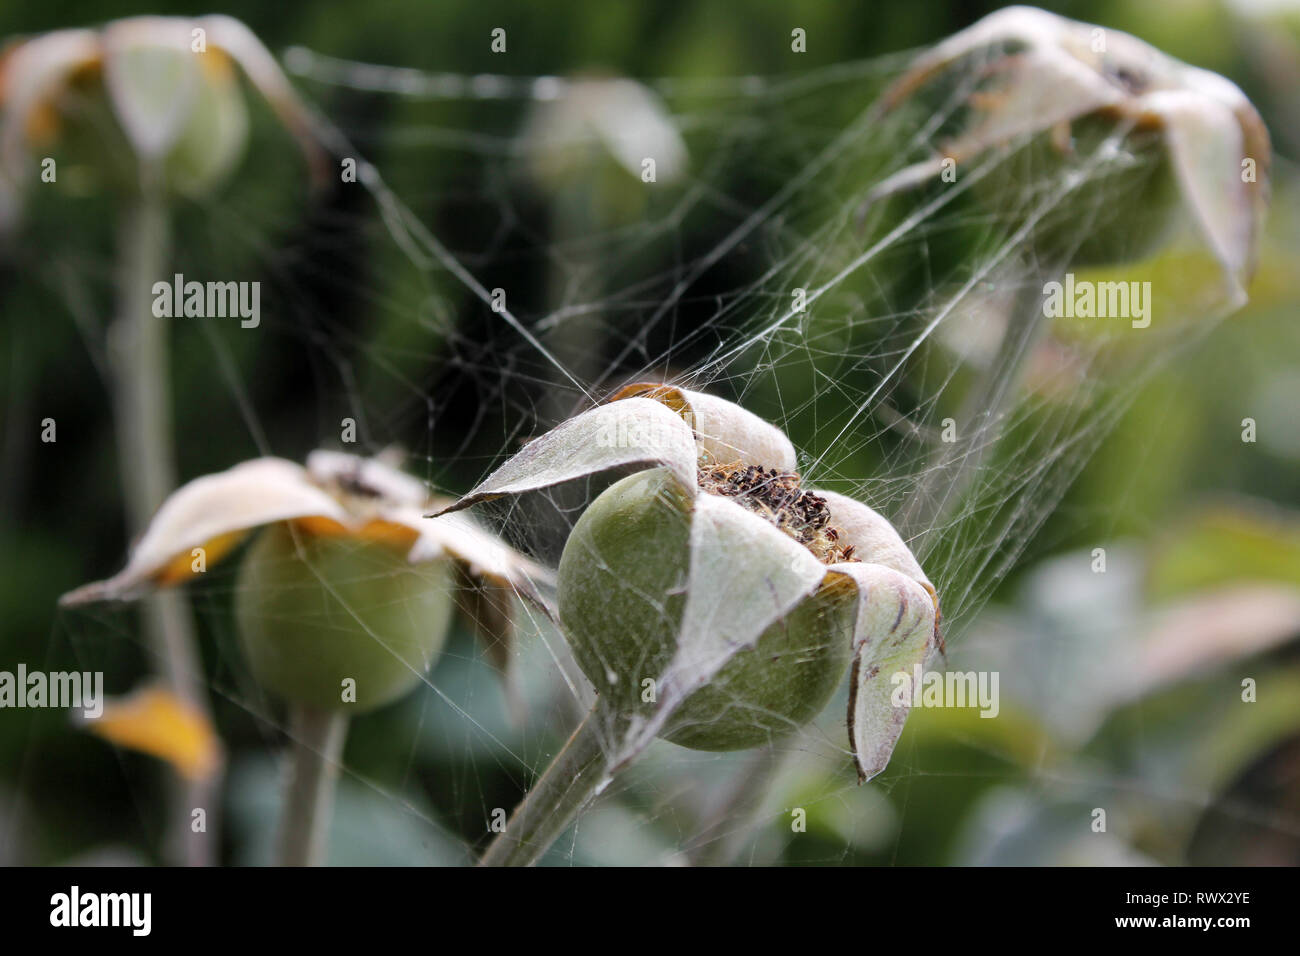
<point>630,604</point>
<point>779,498</point>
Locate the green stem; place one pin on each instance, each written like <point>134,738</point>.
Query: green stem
<point>557,796</point>
<point>142,396</point>
<point>316,753</point>
<point>138,346</point>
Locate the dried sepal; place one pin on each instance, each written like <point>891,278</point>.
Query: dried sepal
<point>490,612</point>
<point>1206,147</point>
<point>725,433</point>
<point>1015,28</point>
<point>152,78</point>
<point>235,38</point>
<point>895,632</point>
<point>633,432</point>
<point>32,74</point>
<point>1041,72</point>
<point>217,508</point>
<point>484,556</point>
<point>873,539</point>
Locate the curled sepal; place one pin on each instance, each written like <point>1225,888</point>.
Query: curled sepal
<point>214,513</point>
<point>725,433</point>
<point>492,574</point>
<point>32,75</point>
<point>152,78</point>
<point>1017,28</point>
<point>744,575</point>
<point>236,39</point>
<point>485,557</point>
<point>633,432</point>
<point>624,117</point>
<point>1206,145</point>
<point>489,610</point>
<point>872,538</point>
<point>1039,72</point>
<point>895,633</point>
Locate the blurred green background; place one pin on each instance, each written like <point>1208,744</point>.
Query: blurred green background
<point>1203,528</point>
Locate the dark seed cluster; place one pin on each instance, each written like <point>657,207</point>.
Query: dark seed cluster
<point>779,498</point>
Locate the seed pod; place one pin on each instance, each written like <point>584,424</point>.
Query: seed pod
<point>346,581</point>
<point>622,583</point>
<point>711,598</point>
<point>316,611</point>
<point>1131,141</point>
<point>159,95</point>
<point>1132,208</point>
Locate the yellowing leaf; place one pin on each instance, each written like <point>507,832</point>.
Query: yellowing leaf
<point>155,721</point>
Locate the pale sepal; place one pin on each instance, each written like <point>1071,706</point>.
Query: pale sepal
<point>894,633</point>
<point>633,432</point>
<point>725,433</point>
<point>211,508</point>
<point>744,576</point>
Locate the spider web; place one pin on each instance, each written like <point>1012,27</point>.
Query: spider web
<point>918,311</point>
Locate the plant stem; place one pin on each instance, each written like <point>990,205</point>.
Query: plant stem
<point>555,799</point>
<point>138,357</point>
<point>316,752</point>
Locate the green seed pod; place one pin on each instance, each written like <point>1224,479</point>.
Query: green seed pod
<point>1126,141</point>
<point>201,151</point>
<point>1130,208</point>
<point>713,599</point>
<point>316,610</point>
<point>347,582</point>
<point>153,101</point>
<point>621,595</point>
<point>212,142</point>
